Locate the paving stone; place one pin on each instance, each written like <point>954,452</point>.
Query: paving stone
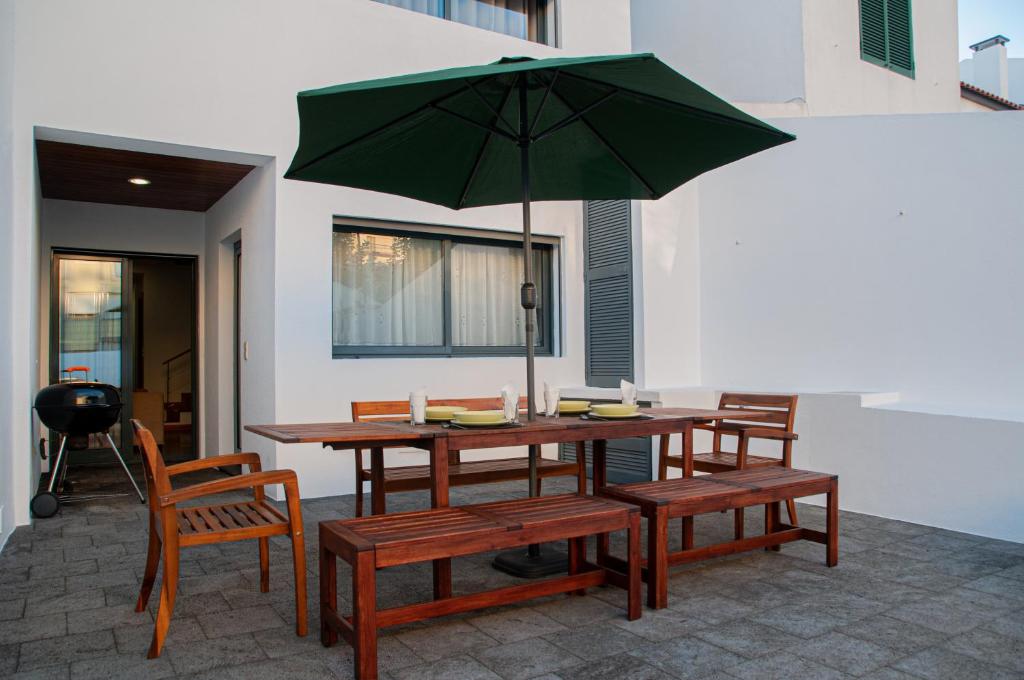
<point>202,655</point>
<point>784,666</point>
<point>101,580</point>
<point>1008,588</point>
<point>940,663</point>
<point>459,667</point>
<point>747,638</point>
<point>941,613</point>
<point>8,659</point>
<point>237,621</point>
<point>593,642</point>
<point>58,672</point>
<point>574,612</point>
<point>614,668</point>
<point>714,609</point>
<point>888,674</point>
<point>33,628</point>
<point>106,618</point>
<point>14,575</point>
<point>805,619</point>
<point>136,639</point>
<point>445,638</point>
<point>69,543</point>
<point>12,609</point>
<point>293,668</point>
<point>1011,625</point>
<point>515,624</point>
<point>133,666</point>
<point>38,588</point>
<point>525,659</point>
<point>65,602</point>
<point>986,645</point>
<point>661,624</point>
<point>903,637</point>
<point>847,654</point>
<point>687,657</point>
<point>56,569</point>
<point>65,649</point>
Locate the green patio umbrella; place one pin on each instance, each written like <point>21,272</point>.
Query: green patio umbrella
<point>522,129</point>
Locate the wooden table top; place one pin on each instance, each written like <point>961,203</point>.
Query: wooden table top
<point>399,433</point>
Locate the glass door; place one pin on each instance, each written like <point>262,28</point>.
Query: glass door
<point>89,324</point>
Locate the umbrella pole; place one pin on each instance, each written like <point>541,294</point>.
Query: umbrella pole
<point>534,563</point>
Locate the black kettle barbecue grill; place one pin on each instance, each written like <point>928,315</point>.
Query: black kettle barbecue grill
<point>76,409</point>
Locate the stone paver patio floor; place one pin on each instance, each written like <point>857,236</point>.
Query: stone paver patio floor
<point>906,601</point>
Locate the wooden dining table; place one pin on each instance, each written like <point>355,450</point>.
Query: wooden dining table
<point>438,439</point>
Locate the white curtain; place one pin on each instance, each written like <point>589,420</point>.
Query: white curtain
<point>432,7</point>
<point>486,311</point>
<point>90,318</point>
<point>501,16</point>
<point>388,291</point>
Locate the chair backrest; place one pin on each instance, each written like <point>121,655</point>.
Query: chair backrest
<point>157,480</point>
<point>780,408</point>
<point>399,410</point>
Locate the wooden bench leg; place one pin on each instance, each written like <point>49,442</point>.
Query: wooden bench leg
<point>581,468</point>
<point>633,592</point>
<point>772,513</point>
<point>264,564</point>
<point>364,614</point>
<point>328,594</point>
<point>738,523</point>
<point>378,504</point>
<point>600,470</point>
<point>791,508</point>
<point>832,527</point>
<point>439,499</point>
<point>688,472</point>
<point>577,556</point>
<point>657,559</point>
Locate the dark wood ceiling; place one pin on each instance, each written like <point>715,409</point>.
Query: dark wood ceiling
<point>74,172</point>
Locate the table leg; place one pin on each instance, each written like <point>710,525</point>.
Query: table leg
<point>688,472</point>
<point>439,499</point>
<point>378,505</point>
<point>832,526</point>
<point>600,475</point>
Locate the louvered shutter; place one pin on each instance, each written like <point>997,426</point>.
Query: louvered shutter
<point>886,34</point>
<point>900,36</point>
<point>872,30</point>
<point>608,267</point>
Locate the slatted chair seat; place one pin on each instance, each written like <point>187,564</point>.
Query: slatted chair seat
<point>720,461</point>
<point>378,541</point>
<point>384,480</point>
<point>230,521</point>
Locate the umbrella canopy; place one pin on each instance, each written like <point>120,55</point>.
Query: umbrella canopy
<point>604,127</point>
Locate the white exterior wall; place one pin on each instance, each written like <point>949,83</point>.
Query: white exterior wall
<point>782,58</point>
<point>10,494</point>
<point>232,85</point>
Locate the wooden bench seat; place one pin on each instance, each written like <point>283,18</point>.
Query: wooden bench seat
<point>372,543</point>
<point>685,497</point>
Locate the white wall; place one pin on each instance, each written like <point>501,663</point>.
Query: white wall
<point>871,254</point>
<point>8,480</point>
<point>131,77</point>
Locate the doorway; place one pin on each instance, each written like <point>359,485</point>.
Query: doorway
<point>131,320</point>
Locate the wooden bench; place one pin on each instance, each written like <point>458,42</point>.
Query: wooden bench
<point>685,497</point>
<point>372,543</point>
<point>385,480</point>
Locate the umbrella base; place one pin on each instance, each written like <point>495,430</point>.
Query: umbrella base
<point>521,563</point>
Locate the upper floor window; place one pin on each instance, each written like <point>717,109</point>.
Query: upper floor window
<point>532,20</point>
<point>422,290</point>
<point>886,35</point>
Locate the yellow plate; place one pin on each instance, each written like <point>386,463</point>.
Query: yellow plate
<point>443,413</point>
<point>569,407</point>
<point>620,416</point>
<point>479,417</point>
<point>614,410</point>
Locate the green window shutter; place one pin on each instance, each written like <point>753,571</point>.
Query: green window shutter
<point>886,34</point>
<point>608,272</point>
<point>901,37</point>
<point>872,31</point>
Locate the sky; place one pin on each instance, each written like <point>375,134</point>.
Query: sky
<point>981,19</point>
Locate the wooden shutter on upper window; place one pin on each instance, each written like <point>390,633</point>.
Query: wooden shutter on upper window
<point>900,34</point>
<point>872,31</point>
<point>608,272</point>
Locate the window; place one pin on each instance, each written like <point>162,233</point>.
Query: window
<point>428,291</point>
<point>886,35</point>
<point>532,20</point>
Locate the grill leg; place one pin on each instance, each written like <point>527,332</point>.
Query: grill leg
<point>55,472</point>
<point>131,479</point>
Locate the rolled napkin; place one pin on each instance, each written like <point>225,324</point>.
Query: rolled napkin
<point>550,400</point>
<point>510,403</point>
<point>628,390</point>
<point>418,406</point>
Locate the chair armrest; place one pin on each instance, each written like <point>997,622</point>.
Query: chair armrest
<point>250,459</point>
<point>755,432</point>
<point>253,479</point>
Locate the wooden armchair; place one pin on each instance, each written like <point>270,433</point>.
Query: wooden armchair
<point>417,477</point>
<point>172,527</point>
<point>777,425</point>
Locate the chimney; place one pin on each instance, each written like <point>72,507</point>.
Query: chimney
<point>989,68</point>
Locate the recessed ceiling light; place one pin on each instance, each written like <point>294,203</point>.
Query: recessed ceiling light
<point>140,181</point>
